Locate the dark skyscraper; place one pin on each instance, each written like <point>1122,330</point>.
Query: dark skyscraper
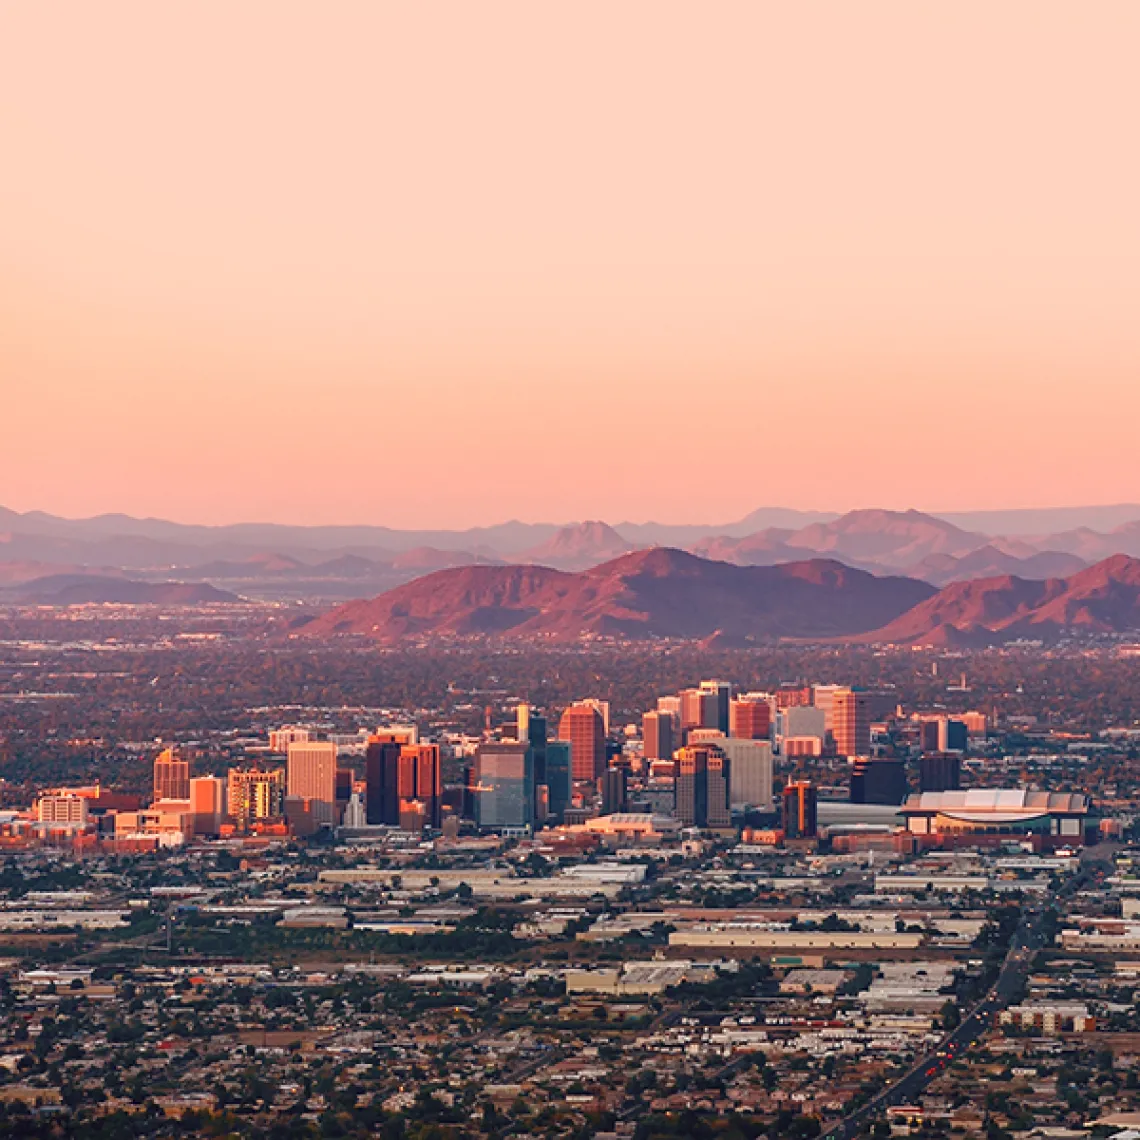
<point>381,778</point>
<point>614,782</point>
<point>559,778</point>
<point>800,810</point>
<point>703,786</point>
<point>878,781</point>
<point>505,797</point>
<point>723,693</point>
<point>940,772</point>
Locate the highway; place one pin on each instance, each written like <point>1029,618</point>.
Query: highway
<point>1024,944</point>
<point>1027,939</point>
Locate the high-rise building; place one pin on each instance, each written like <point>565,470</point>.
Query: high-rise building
<point>559,778</point>
<point>614,784</point>
<point>672,706</point>
<point>692,786</point>
<point>63,811</point>
<point>878,780</point>
<point>699,709</point>
<point>171,776</point>
<point>952,735</point>
<point>851,722</point>
<point>602,708</point>
<point>940,772</point>
<point>790,697</point>
<point>722,690</point>
<point>253,795</point>
<point>657,735</point>
<point>505,789</point>
<point>800,810</point>
<point>208,803</point>
<point>718,774</point>
<point>582,726</point>
<point>427,781</point>
<point>751,767</point>
<point>702,786</point>
<point>281,738</point>
<point>382,781</point>
<point>312,776</point>
<point>750,719</point>
<point>823,698</point>
<point>532,729</point>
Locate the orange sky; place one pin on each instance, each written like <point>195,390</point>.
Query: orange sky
<point>448,263</point>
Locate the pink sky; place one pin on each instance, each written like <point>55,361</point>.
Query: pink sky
<point>444,264</point>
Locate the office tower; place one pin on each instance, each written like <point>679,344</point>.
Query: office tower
<point>751,770</point>
<point>940,772</point>
<point>343,791</point>
<point>699,709</point>
<point>851,722</point>
<point>532,730</point>
<point>419,763</point>
<point>559,778</point>
<point>582,726</point>
<point>702,786</point>
<point>355,817</point>
<point>928,735</point>
<point>657,735</point>
<point>803,724</point>
<point>952,735</point>
<point>718,775</point>
<point>878,781</point>
<point>505,792</point>
<point>312,776</point>
<point>63,811</point>
<point>722,690</point>
<point>602,708</point>
<point>171,777</point>
<point>381,782</point>
<point>397,734</point>
<point>823,698</point>
<point>255,795</point>
<point>672,706</point>
<point>208,803</point>
<point>800,810</point>
<point>788,697</point>
<point>281,738</point>
<point>614,785</point>
<point>750,719</point>
<point>692,786</point>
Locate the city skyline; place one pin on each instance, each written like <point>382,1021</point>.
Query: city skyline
<point>788,238</point>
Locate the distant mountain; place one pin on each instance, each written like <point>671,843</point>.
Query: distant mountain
<point>431,558</point>
<point>1104,598</point>
<point>989,562</point>
<point>649,593</point>
<point>1043,520</point>
<point>578,547</point>
<point>84,589</point>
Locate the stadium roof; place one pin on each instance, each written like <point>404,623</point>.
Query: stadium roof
<point>1011,803</point>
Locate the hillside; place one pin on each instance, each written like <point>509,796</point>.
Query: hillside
<point>650,593</point>
<point>86,589</point>
<point>1104,598</point>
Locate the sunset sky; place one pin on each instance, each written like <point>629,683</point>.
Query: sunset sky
<point>443,264</point>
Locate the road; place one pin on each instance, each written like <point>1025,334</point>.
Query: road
<point>1027,939</point>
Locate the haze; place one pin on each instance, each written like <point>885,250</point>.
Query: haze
<point>443,264</point>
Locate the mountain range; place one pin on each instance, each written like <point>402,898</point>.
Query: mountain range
<point>325,565</point>
<point>664,593</point>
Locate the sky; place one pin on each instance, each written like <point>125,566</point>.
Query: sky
<point>443,264</point>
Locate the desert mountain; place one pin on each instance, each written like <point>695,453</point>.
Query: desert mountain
<point>649,593</point>
<point>1104,598</point>
<point>81,589</point>
<point>990,561</point>
<point>578,547</point>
